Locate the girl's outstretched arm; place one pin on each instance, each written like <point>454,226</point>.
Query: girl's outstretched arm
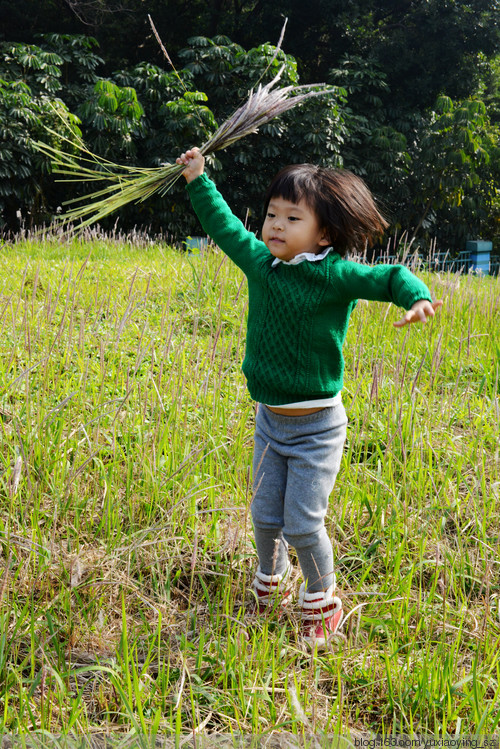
<point>420,311</point>
<point>194,161</point>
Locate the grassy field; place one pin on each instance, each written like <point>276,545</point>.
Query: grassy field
<point>126,546</point>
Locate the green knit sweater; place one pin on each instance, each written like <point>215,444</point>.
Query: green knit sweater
<point>298,314</point>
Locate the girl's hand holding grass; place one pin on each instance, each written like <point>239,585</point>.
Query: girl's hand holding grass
<point>194,161</point>
<point>420,311</point>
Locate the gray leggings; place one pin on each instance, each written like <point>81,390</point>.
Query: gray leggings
<point>296,461</point>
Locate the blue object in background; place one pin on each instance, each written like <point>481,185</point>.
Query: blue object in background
<point>195,245</point>
<point>480,252</point>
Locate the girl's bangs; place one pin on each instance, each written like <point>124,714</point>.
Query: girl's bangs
<point>293,183</point>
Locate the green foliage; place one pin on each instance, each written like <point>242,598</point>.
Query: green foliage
<point>374,148</point>
<point>434,170</point>
<point>175,117</point>
<point>214,61</point>
<point>174,113</point>
<point>33,65</point>
<point>427,47</point>
<point>78,63</point>
<point>77,53</point>
<point>111,119</point>
<point>489,88</point>
<point>29,79</point>
<point>453,170</point>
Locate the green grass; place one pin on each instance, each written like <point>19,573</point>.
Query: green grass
<point>126,545</point>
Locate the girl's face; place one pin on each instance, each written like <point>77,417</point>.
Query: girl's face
<point>291,228</point>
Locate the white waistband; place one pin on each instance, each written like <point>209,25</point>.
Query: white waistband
<point>318,403</point>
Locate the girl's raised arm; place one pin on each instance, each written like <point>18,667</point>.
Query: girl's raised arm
<point>217,219</point>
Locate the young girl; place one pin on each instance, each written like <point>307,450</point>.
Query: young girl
<point>301,294</point>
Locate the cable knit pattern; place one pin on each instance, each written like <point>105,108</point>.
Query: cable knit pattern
<point>298,314</point>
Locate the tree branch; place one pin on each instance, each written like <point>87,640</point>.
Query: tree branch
<point>91,12</point>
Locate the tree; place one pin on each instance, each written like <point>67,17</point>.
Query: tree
<point>426,47</point>
<point>29,111</point>
<point>453,171</point>
<point>79,62</point>
<point>435,170</point>
<point>112,120</point>
<point>374,147</point>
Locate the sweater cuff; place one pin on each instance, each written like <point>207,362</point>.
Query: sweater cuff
<point>416,297</point>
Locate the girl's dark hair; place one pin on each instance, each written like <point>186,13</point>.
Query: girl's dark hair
<point>341,201</point>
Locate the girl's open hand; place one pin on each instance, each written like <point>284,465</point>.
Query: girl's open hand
<point>194,161</point>
<point>420,311</point>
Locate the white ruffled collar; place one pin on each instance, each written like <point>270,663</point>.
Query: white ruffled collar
<point>309,256</point>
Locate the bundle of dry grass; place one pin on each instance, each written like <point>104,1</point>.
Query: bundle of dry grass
<point>133,184</point>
